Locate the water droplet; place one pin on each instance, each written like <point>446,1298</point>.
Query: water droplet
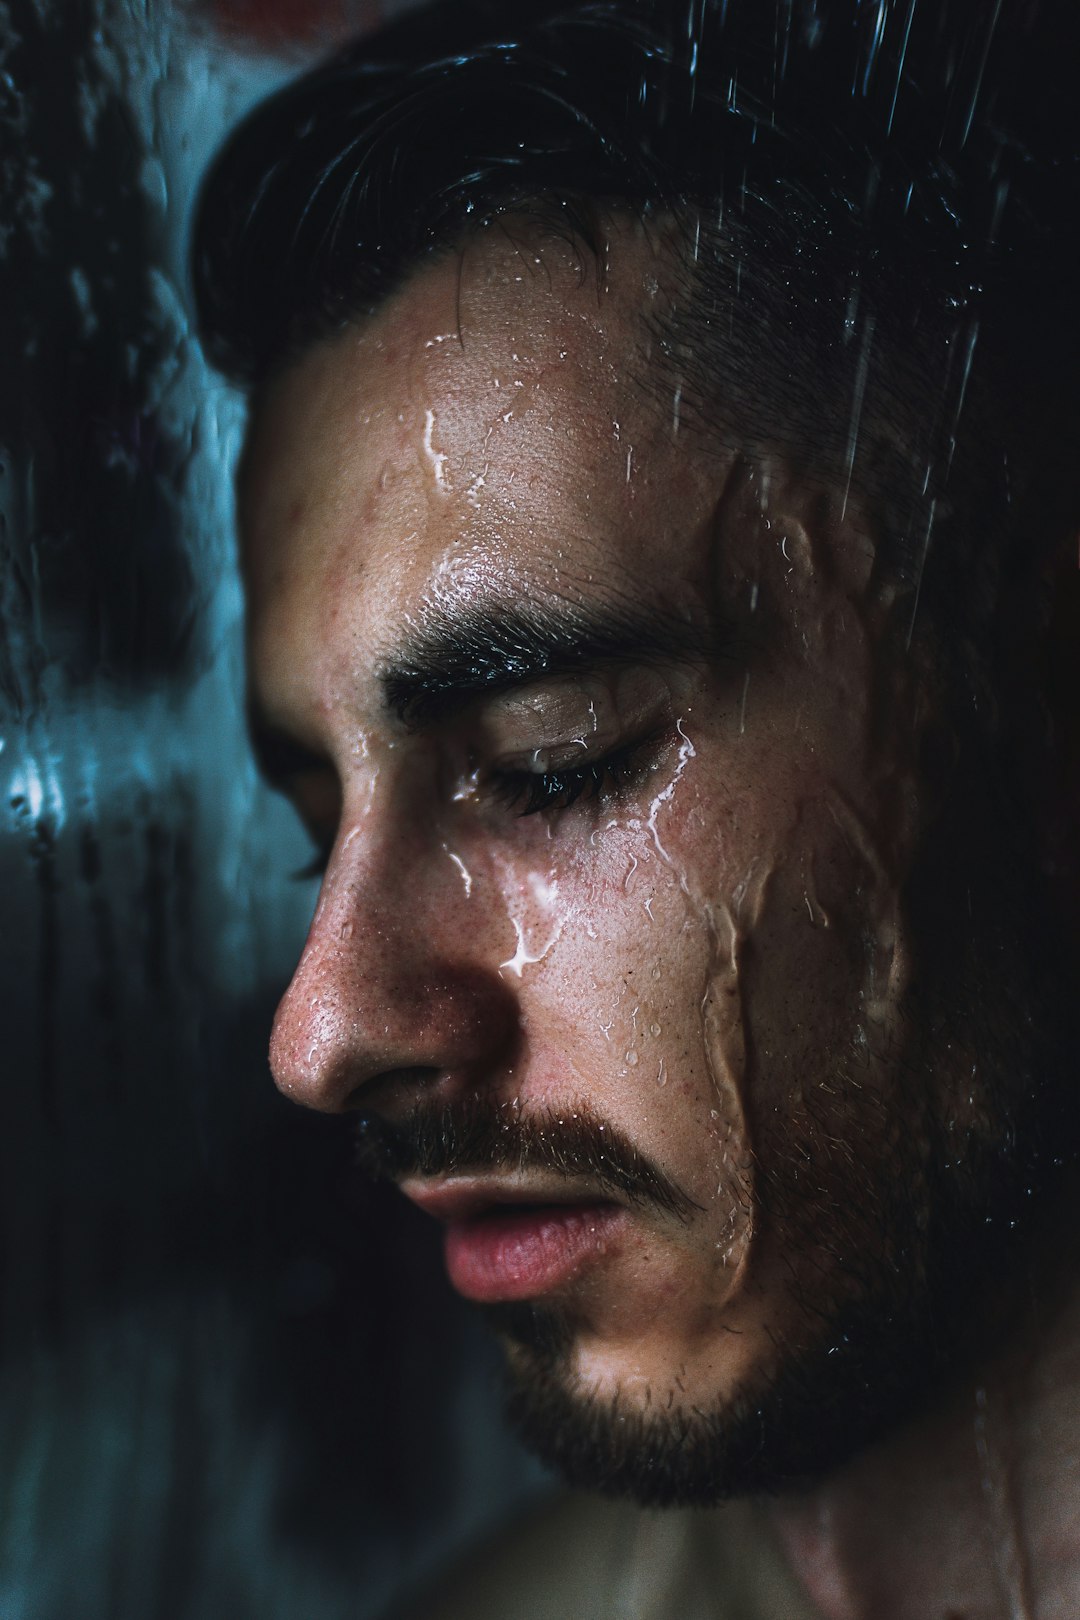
<point>656,971</point>
<point>661,1076</point>
<point>654,1029</point>
<point>631,1058</point>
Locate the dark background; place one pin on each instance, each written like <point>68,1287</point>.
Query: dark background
<point>232,1379</point>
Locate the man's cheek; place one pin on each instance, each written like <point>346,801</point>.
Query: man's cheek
<point>665,967</point>
<point>823,969</point>
<point>612,982</point>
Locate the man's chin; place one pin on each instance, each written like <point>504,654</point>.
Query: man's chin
<point>809,1410</point>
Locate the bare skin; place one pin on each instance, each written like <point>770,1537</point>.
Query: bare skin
<point>970,1512</point>
<point>690,941</point>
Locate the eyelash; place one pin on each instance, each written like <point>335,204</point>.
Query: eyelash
<point>529,792</point>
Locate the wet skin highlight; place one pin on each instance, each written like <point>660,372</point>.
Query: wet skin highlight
<point>701,937</point>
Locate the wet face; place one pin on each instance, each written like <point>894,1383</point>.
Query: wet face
<point>597,724</point>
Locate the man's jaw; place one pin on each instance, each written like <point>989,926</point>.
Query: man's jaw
<point>519,1236</point>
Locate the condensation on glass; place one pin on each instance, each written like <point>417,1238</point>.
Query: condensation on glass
<point>216,1396</point>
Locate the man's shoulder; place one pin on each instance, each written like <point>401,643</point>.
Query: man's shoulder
<point>598,1560</point>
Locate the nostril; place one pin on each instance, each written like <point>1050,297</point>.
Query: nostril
<point>372,1026</point>
<point>392,1090</point>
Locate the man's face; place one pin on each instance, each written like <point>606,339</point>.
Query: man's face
<point>597,722</point>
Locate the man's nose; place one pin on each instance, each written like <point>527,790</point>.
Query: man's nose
<point>393,983</point>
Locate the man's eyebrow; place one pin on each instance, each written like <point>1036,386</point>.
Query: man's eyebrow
<point>460,655</point>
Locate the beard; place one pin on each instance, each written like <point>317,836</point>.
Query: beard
<point>904,1201</point>
<point>904,1303</point>
<point>917,1288</point>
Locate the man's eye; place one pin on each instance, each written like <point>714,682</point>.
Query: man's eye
<point>557,788</point>
<point>316,867</point>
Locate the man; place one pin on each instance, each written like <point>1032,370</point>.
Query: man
<point>657,518</point>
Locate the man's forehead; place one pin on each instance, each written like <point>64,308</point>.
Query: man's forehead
<point>502,303</point>
<point>490,408</point>
<point>513,290</point>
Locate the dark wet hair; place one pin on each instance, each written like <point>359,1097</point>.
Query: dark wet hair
<point>333,189</point>
<point>869,193</point>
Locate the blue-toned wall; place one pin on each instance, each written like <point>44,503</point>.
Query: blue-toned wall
<point>232,1380</point>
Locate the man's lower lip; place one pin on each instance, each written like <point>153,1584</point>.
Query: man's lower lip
<point>509,1254</point>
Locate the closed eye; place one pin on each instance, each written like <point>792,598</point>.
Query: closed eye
<point>527,792</point>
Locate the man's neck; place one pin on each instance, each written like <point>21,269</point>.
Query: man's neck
<point>971,1513</point>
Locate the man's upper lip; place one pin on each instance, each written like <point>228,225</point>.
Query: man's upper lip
<point>461,1198</point>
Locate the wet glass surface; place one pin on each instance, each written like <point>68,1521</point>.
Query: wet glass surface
<point>229,1377</point>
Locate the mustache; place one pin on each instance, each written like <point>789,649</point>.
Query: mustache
<point>474,1134</point>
